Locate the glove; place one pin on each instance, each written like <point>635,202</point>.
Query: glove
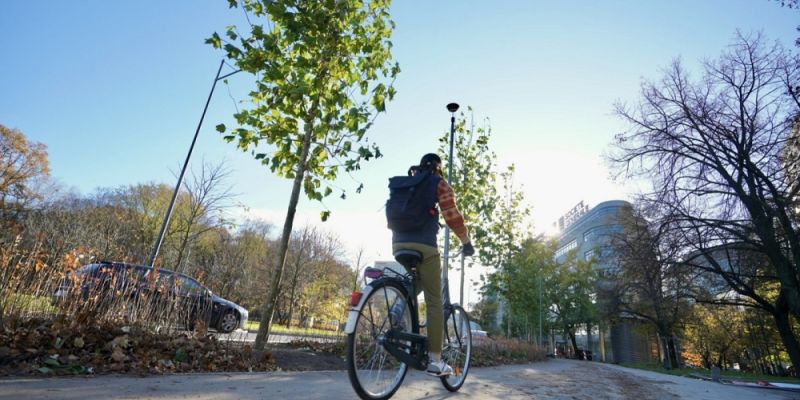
<point>467,249</point>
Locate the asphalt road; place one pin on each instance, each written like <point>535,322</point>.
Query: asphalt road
<point>555,379</point>
<point>250,337</point>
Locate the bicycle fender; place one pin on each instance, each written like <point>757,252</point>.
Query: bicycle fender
<point>351,320</point>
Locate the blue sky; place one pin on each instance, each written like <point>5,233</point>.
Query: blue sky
<point>115,89</point>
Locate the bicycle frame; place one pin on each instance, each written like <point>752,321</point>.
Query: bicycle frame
<point>396,342</point>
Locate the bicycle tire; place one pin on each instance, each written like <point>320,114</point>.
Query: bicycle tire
<point>457,349</point>
<point>373,313</point>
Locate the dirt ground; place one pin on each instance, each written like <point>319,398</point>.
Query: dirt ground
<point>298,359</point>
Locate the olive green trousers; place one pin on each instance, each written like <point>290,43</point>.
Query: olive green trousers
<point>429,280</point>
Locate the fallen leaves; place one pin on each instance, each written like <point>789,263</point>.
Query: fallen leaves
<point>38,346</point>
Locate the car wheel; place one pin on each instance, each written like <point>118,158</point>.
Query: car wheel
<point>228,322</point>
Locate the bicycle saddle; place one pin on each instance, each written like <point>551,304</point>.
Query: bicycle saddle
<point>408,258</point>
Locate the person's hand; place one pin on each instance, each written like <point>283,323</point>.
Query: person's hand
<point>467,249</point>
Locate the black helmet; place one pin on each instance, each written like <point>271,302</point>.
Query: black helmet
<point>428,160</point>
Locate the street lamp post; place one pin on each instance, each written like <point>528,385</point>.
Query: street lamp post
<point>452,107</point>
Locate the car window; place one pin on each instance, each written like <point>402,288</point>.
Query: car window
<point>88,269</point>
<point>190,286</point>
<point>95,270</point>
<point>165,280</point>
<point>124,275</point>
<point>136,274</point>
<point>159,279</point>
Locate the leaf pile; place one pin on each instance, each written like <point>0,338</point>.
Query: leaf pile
<point>40,346</point>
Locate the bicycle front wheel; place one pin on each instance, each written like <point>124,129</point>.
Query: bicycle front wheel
<point>374,373</point>
<point>457,348</point>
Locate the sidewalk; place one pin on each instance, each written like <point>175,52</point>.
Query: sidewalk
<point>554,379</point>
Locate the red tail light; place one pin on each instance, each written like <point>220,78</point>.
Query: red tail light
<point>355,297</point>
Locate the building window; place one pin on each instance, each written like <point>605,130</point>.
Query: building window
<point>567,247</point>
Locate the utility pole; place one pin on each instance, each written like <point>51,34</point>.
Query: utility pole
<point>165,223</point>
<point>540,306</point>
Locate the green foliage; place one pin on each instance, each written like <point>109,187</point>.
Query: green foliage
<point>484,313</point>
<point>474,179</point>
<point>320,69</point>
<point>571,289</point>
<point>504,247</point>
<point>532,284</point>
<point>506,231</point>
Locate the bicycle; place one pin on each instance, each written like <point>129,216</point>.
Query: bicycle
<point>383,332</point>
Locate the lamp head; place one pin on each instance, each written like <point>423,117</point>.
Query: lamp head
<point>452,107</point>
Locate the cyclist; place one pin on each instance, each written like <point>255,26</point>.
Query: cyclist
<point>429,272</point>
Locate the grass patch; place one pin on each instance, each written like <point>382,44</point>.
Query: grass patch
<point>728,374</point>
<point>28,303</point>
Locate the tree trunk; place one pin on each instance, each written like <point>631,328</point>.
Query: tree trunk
<point>571,334</point>
<point>784,326</point>
<point>291,302</point>
<point>272,296</point>
<point>668,349</point>
<point>509,319</point>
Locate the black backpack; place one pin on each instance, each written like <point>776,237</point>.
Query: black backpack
<point>412,202</point>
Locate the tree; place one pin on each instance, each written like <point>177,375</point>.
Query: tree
<point>206,197</point>
<point>320,68</point>
<point>712,149</point>
<point>144,206</point>
<point>235,265</point>
<point>571,288</point>
<point>524,275</point>
<point>716,333</point>
<point>313,255</point>
<point>474,180</point>
<point>794,5</point>
<point>21,163</point>
<point>358,267</point>
<point>484,313</point>
<point>504,238</point>
<point>650,281</point>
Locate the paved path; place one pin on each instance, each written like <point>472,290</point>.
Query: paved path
<point>555,379</point>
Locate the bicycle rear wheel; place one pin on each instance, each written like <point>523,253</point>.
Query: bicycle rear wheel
<point>374,373</point>
<point>457,348</point>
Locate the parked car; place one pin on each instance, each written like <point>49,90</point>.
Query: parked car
<point>106,282</point>
<point>479,336</point>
